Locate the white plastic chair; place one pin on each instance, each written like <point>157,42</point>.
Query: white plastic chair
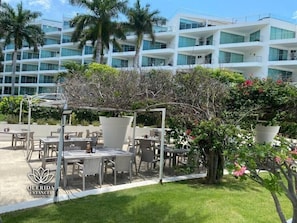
<point>90,166</point>
<point>120,164</point>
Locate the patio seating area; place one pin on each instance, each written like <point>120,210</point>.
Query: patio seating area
<point>14,168</point>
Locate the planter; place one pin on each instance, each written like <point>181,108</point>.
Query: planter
<point>265,134</point>
<point>114,130</point>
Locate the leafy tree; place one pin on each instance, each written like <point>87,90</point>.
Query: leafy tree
<point>19,30</point>
<point>97,25</point>
<point>141,21</point>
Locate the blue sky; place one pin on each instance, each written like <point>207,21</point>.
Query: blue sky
<point>56,9</point>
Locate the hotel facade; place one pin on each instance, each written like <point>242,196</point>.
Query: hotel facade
<point>262,47</point>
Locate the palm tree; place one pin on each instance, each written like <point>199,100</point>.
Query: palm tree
<point>100,15</point>
<point>109,29</point>
<point>141,21</point>
<point>19,30</point>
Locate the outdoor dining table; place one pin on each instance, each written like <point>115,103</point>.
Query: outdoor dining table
<point>45,143</point>
<point>73,155</point>
<point>13,134</point>
<point>174,153</point>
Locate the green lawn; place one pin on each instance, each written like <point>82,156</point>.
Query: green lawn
<point>188,201</point>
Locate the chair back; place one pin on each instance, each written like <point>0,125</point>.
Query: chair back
<point>80,134</point>
<point>147,155</point>
<point>88,134</point>
<point>143,143</point>
<point>123,163</point>
<point>94,140</point>
<point>91,166</point>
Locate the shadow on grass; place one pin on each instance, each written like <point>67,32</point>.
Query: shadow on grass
<point>228,182</point>
<point>107,208</point>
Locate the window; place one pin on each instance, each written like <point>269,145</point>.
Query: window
<point>186,41</point>
<point>47,90</point>
<point>28,79</point>
<point>277,33</point>
<point>277,54</point>
<point>188,24</point>
<point>70,52</point>
<point>46,79</point>
<point>47,28</point>
<point>119,63</point>
<point>29,67</point>
<point>255,36</point>
<point>150,62</point>
<point>66,39</point>
<point>280,75</point>
<point>49,41</point>
<point>30,55</point>
<point>148,45</point>
<point>88,50</point>
<point>227,57</point>
<point>230,38</point>
<point>28,90</point>
<point>185,59</point>
<point>47,66</point>
<point>46,53</point>
<point>125,48</point>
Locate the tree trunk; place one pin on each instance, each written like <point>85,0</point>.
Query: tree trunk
<point>14,59</point>
<point>99,45</point>
<point>278,208</point>
<point>136,58</point>
<point>137,49</point>
<point>215,166</point>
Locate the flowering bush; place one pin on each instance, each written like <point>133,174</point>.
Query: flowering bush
<point>273,167</point>
<point>268,100</point>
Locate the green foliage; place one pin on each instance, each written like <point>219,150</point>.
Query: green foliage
<point>10,105</point>
<point>3,117</point>
<point>288,129</point>
<point>101,70</point>
<point>263,99</point>
<point>223,75</point>
<point>212,138</point>
<point>12,119</point>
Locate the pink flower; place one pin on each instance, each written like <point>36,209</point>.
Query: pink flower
<point>278,160</point>
<point>294,151</point>
<point>188,131</point>
<point>240,170</point>
<point>248,83</point>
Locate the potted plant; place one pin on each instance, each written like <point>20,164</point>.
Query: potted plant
<point>262,103</point>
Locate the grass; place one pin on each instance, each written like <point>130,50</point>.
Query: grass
<point>188,201</point>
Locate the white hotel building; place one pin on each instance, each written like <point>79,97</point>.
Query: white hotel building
<point>264,47</point>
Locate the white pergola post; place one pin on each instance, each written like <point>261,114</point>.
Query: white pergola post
<point>65,112</point>
<point>163,110</point>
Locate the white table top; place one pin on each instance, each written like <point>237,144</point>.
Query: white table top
<point>72,139</point>
<point>106,152</point>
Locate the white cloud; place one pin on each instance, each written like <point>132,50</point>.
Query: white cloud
<point>44,4</point>
<point>33,5</point>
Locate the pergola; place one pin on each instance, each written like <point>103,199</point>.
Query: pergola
<point>67,112</point>
<point>45,100</point>
<point>59,100</point>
